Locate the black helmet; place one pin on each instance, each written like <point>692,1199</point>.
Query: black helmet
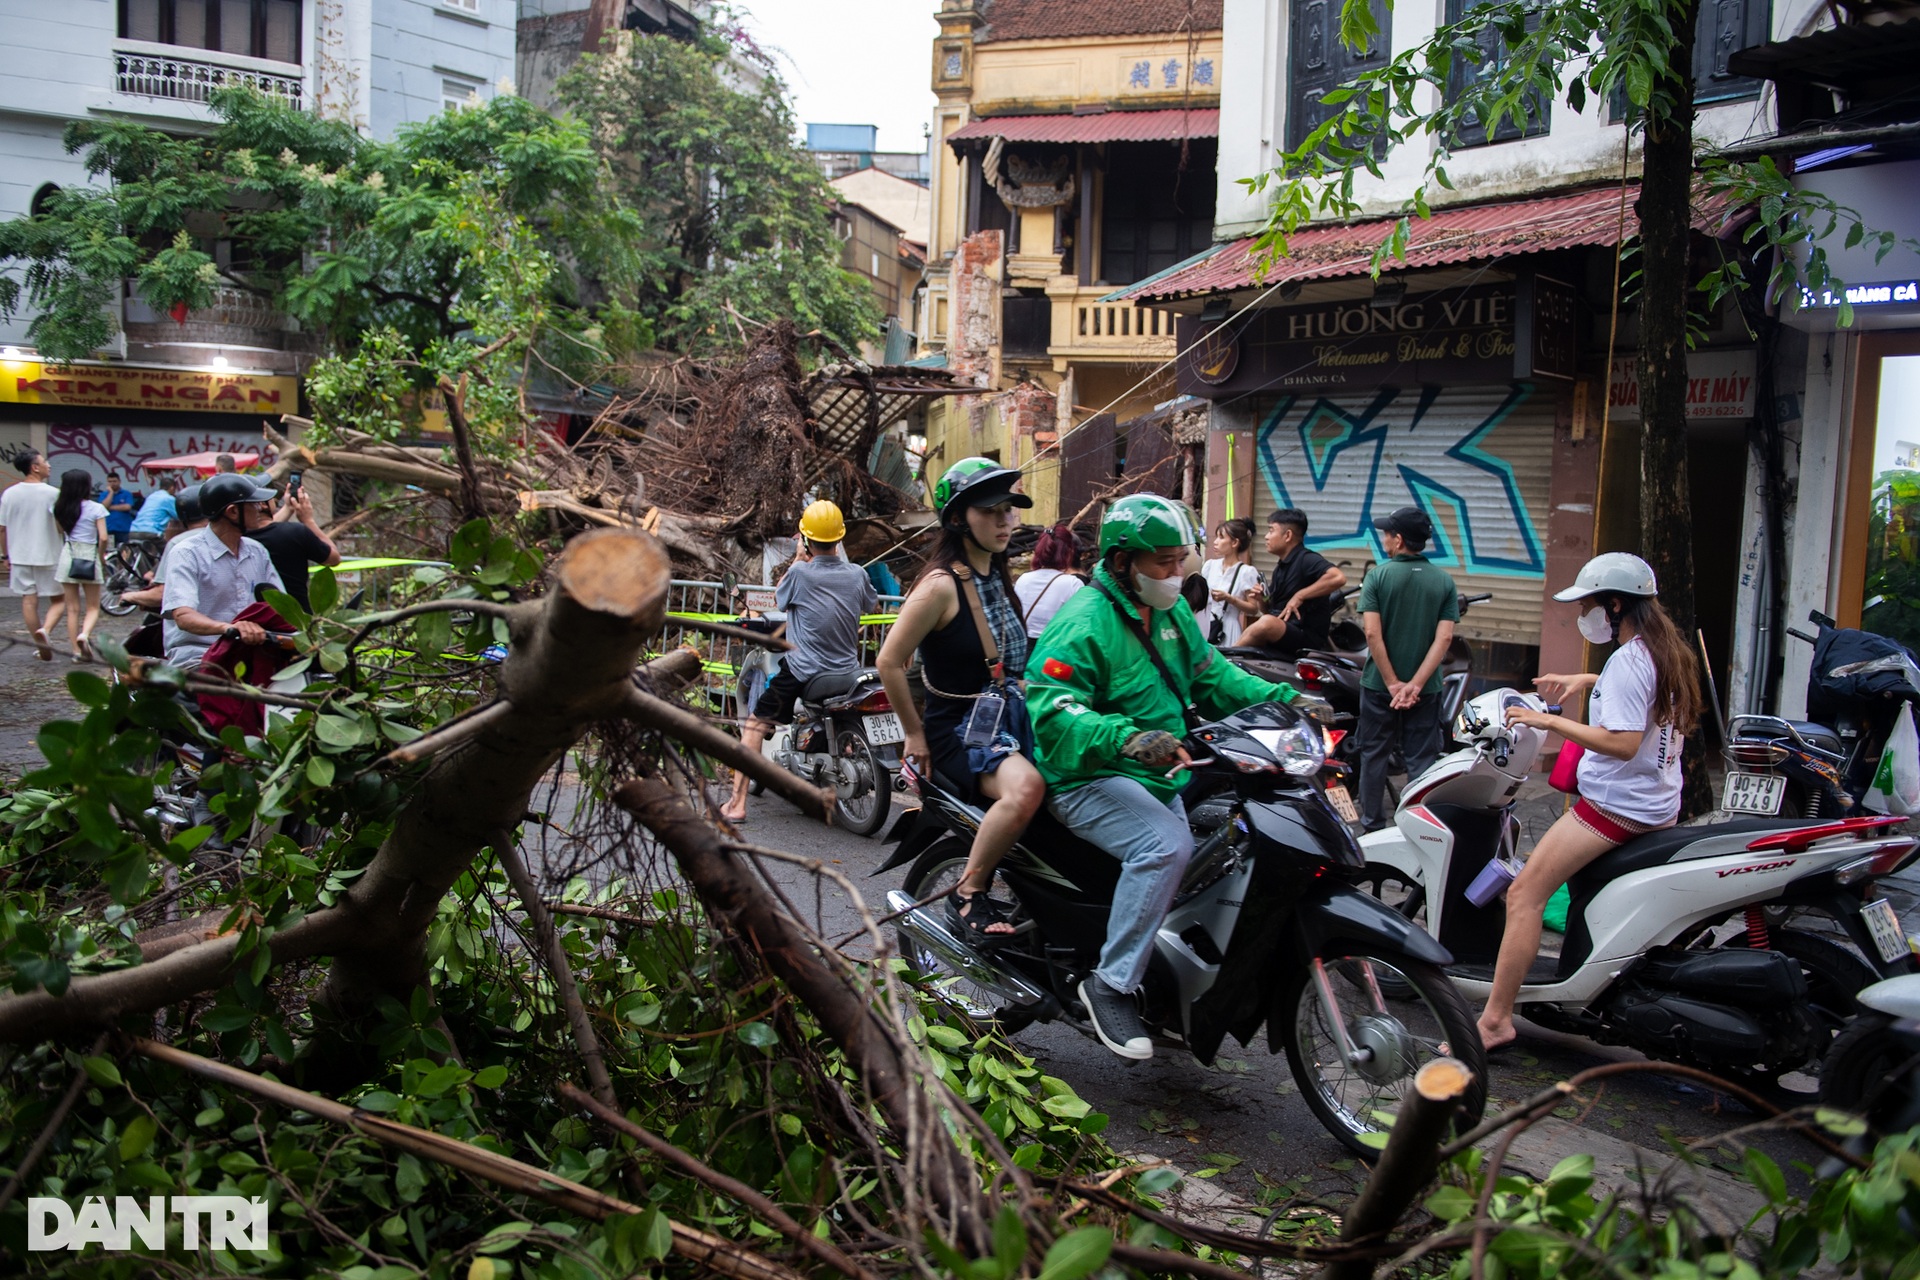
<point>186,505</point>
<point>227,488</point>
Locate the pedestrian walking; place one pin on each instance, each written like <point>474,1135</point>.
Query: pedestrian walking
<point>30,544</point>
<point>1408,607</point>
<point>83,529</point>
<point>1233,584</point>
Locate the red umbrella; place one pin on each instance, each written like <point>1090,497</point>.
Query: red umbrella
<point>203,463</point>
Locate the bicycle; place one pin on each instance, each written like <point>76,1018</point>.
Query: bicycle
<point>129,567</point>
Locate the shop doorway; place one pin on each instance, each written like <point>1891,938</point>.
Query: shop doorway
<point>1890,586</point>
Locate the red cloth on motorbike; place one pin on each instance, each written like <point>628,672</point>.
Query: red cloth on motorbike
<point>253,664</point>
<point>1566,769</point>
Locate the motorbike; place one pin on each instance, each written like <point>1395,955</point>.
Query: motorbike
<point>1824,764</point>
<point>1267,928</point>
<point>1873,1068</point>
<point>1334,674</point>
<point>1671,945</point>
<point>845,734</point>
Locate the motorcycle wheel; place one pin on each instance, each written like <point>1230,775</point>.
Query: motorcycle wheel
<point>1429,1021</point>
<point>861,784</point>
<point>1869,1072</point>
<point>1835,976</point>
<point>118,580</point>
<point>930,879</point>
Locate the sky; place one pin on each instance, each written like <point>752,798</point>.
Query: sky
<point>854,61</point>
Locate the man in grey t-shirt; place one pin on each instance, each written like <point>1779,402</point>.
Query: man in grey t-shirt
<point>824,595</point>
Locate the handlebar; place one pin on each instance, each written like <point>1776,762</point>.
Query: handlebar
<point>1798,634</point>
<point>284,639</point>
<point>1480,598</point>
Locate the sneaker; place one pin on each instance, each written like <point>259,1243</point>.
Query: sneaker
<point>1115,1019</point>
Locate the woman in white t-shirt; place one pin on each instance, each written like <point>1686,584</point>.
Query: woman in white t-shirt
<point>1233,584</point>
<point>1640,708</point>
<point>83,528</point>
<point>1045,587</point>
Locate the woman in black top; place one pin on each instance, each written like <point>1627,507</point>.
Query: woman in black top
<point>965,622</point>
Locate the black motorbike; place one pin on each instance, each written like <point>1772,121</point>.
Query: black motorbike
<point>1822,766</point>
<point>1266,930</point>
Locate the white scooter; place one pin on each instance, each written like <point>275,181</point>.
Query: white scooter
<point>1671,945</point>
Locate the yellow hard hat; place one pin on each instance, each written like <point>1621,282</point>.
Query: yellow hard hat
<point>822,522</point>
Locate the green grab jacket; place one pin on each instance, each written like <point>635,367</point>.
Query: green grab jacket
<point>1091,686</point>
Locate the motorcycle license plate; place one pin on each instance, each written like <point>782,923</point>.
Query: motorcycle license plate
<point>1753,793</point>
<point>1884,924</point>
<point>884,728</point>
<point>1342,802</point>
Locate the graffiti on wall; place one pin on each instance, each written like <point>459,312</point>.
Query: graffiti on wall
<point>102,449</point>
<point>1348,464</point>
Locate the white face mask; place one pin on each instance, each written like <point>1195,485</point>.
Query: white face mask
<point>1595,626</point>
<point>1157,593</point>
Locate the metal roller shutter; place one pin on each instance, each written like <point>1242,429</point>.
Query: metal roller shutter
<point>1477,460</point>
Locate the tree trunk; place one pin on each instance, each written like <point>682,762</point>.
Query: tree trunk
<point>1666,284</point>
<point>571,658</point>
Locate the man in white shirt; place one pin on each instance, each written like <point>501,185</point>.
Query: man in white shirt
<point>30,545</point>
<point>214,573</point>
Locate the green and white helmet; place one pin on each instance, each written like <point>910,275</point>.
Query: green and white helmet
<point>1148,522</point>
<point>976,482</point>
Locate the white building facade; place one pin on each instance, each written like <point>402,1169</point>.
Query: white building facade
<point>1473,379</point>
<point>379,64</point>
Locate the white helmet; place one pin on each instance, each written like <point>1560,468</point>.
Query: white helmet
<point>1616,572</point>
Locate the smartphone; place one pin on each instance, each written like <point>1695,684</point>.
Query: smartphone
<point>293,483</point>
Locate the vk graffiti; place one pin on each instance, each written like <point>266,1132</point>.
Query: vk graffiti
<point>1345,464</point>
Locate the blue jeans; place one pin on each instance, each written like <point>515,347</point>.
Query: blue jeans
<point>1154,844</point>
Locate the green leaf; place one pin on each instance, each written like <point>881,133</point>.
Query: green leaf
<point>1372,1138</point>
<point>490,1077</point>
<point>655,1235</point>
<point>759,1035</point>
<point>379,1100</point>
<point>88,688</point>
<point>137,1137</point>
<point>103,1072</point>
<point>1009,1240</point>
<point>1076,1254</point>
<point>1450,1204</point>
<point>323,591</point>
<point>320,771</point>
<point>224,1018</point>
<point>503,1238</point>
<point>439,1080</point>
<point>1154,1181</point>
<point>339,731</point>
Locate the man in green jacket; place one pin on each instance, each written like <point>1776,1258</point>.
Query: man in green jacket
<point>1108,729</point>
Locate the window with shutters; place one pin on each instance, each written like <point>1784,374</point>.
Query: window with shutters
<point>1154,213</point>
<point>1723,28</point>
<point>251,28</point>
<point>1463,73</point>
<point>1319,62</point>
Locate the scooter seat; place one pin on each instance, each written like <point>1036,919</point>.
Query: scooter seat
<point>1818,735</point>
<point>1657,848</point>
<point>828,685</point>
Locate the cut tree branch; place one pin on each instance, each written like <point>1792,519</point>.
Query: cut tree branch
<point>715,1252</point>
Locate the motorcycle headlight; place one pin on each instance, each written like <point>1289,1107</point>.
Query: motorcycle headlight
<point>1300,748</point>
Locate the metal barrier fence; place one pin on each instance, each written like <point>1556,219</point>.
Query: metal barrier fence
<point>724,658</point>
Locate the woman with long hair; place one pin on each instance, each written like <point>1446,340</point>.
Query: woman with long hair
<point>1233,584</point>
<point>83,529</point>
<point>1052,580</point>
<point>1640,708</point>
<point>963,619</point>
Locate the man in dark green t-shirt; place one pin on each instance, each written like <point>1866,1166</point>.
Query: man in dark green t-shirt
<point>1409,607</point>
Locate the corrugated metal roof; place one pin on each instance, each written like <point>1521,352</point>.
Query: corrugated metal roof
<point>1101,126</point>
<point>1058,19</point>
<point>1463,234</point>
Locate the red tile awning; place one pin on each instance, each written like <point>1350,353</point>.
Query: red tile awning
<point>1101,126</point>
<point>1468,233</point>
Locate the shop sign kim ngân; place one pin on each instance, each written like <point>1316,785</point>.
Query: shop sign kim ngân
<point>1487,334</point>
<point>99,386</point>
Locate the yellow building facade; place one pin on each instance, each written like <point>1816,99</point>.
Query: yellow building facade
<point>1077,156</point>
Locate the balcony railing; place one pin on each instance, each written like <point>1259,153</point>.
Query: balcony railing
<point>182,79</point>
<point>1085,326</point>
